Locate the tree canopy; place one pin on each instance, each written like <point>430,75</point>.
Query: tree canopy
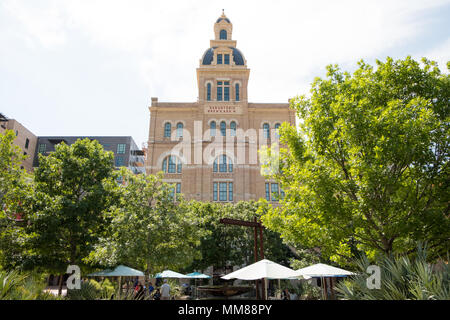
<point>368,168</point>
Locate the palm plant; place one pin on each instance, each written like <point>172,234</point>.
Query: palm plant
<point>402,278</point>
<point>17,286</point>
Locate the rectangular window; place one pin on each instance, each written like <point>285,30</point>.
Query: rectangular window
<point>219,93</point>
<point>27,143</point>
<point>230,191</point>
<point>267,192</point>
<point>215,191</point>
<point>226,93</point>
<point>172,164</point>
<point>223,164</point>
<point>42,147</point>
<point>282,194</point>
<point>179,167</point>
<point>223,191</point>
<point>275,193</point>
<point>172,193</point>
<point>219,59</point>
<point>106,146</point>
<point>120,161</point>
<point>178,188</point>
<point>237,91</point>
<point>121,148</point>
<point>227,58</point>
<point>208,92</point>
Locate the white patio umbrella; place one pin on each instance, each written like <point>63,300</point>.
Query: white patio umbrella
<point>170,274</point>
<point>322,271</point>
<point>263,269</point>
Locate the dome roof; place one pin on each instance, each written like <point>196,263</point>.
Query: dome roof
<point>238,58</point>
<point>221,18</point>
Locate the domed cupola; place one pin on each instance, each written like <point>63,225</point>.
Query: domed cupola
<point>223,28</point>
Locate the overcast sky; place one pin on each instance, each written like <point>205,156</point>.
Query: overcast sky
<point>90,67</point>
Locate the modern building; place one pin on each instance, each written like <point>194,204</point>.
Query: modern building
<point>209,148</point>
<point>25,139</point>
<point>126,152</point>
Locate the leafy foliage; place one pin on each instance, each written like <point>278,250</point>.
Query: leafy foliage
<point>17,286</point>
<point>226,245</point>
<point>75,186</point>
<point>402,278</point>
<point>368,169</point>
<point>148,230</point>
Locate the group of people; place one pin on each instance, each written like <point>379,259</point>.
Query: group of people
<point>162,293</point>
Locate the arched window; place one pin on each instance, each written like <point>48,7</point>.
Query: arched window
<point>223,128</point>
<point>277,134</point>
<point>223,164</point>
<point>233,128</point>
<point>266,130</point>
<point>167,130</point>
<point>208,92</point>
<point>172,164</point>
<point>223,34</point>
<point>213,129</point>
<point>179,129</point>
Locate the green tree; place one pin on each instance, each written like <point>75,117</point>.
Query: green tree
<point>368,167</point>
<point>15,186</point>
<point>149,230</point>
<point>75,187</point>
<point>230,245</point>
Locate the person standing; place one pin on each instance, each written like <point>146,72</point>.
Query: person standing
<point>165,291</point>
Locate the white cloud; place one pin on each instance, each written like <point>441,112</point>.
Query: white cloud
<point>286,43</point>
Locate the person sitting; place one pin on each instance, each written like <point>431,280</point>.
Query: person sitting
<point>157,294</point>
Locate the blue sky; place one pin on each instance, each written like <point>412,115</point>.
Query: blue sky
<point>90,67</point>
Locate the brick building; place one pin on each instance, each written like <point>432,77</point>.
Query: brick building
<point>25,139</point>
<point>208,148</point>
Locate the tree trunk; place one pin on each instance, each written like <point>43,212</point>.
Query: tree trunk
<point>60,284</point>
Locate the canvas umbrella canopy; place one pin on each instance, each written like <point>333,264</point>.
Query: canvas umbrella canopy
<point>119,271</point>
<point>323,271</point>
<point>198,275</point>
<point>262,269</point>
<point>170,274</point>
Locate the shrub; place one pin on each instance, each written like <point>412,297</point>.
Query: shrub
<point>402,278</point>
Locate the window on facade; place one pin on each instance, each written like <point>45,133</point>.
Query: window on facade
<point>219,59</point>
<point>42,148</point>
<point>215,191</point>
<point>223,35</point>
<point>230,191</point>
<point>120,162</point>
<point>174,192</point>
<point>121,148</point>
<point>172,164</point>
<point>277,126</point>
<point>233,128</point>
<point>237,92</point>
<point>266,130</point>
<point>27,143</point>
<point>274,192</point>
<point>167,130</point>
<point>223,90</point>
<point>213,129</point>
<point>223,164</point>
<point>208,92</point>
<point>223,128</point>
<point>226,59</point>
<point>223,191</point>
<point>226,91</point>
<point>179,130</point>
<point>219,90</point>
